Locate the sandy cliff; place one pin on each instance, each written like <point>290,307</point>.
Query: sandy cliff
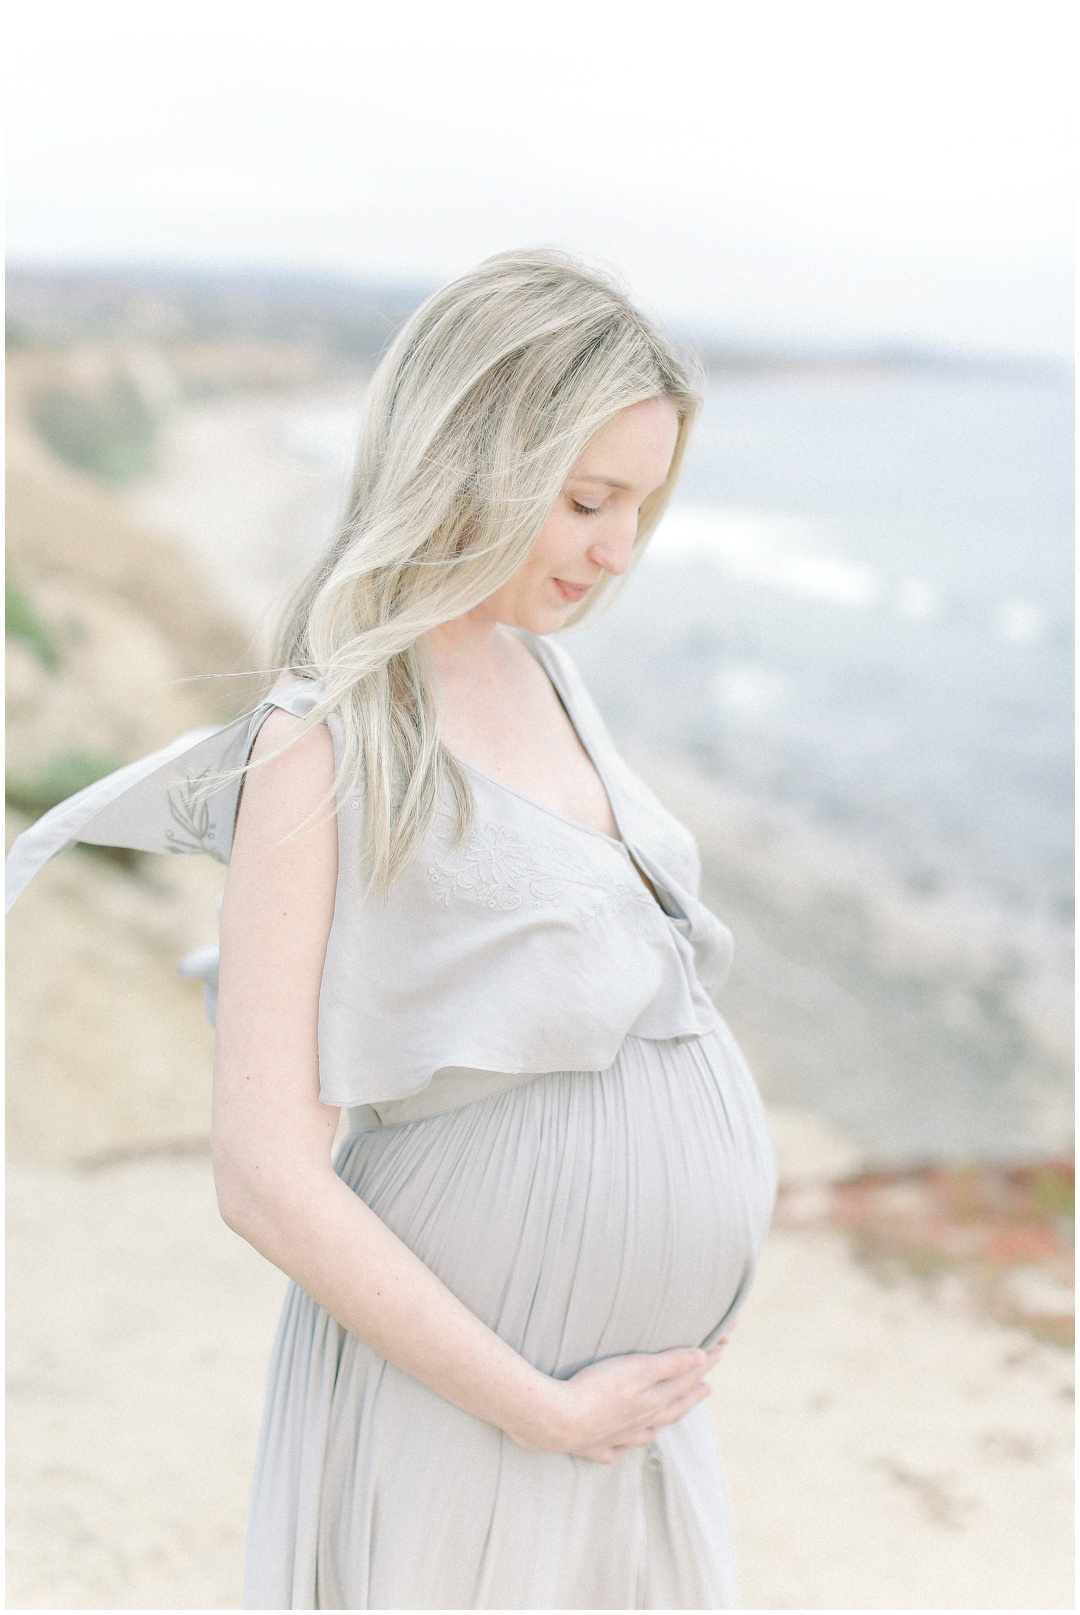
<point>108,1050</point>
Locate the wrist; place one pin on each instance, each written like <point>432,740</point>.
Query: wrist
<point>539,1417</point>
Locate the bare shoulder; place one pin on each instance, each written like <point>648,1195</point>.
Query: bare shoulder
<point>292,782</point>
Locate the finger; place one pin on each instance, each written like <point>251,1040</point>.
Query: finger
<point>679,1407</point>
<point>660,1367</point>
<point>690,1370</point>
<point>642,1430</point>
<point>679,1361</point>
<point>694,1399</point>
<point>664,1390</point>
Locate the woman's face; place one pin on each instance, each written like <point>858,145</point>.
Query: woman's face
<point>593,523</point>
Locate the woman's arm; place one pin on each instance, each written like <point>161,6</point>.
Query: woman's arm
<point>272,1141</point>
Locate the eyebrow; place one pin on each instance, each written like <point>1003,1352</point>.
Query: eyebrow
<point>608,482</point>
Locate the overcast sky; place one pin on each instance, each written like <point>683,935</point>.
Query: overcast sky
<point>814,170</point>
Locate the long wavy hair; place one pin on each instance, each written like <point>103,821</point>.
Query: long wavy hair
<point>475,419</point>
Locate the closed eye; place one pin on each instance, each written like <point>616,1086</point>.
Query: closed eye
<point>585,510</point>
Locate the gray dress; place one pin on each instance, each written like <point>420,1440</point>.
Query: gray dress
<point>546,1107</point>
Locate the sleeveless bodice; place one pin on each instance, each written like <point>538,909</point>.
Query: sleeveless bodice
<point>531,945</point>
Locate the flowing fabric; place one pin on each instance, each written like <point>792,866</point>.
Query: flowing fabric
<point>580,1215</point>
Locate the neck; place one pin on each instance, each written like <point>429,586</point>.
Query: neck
<point>476,643</point>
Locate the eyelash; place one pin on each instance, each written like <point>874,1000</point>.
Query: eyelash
<point>585,510</point>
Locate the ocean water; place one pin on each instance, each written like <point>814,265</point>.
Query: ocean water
<point>861,605</point>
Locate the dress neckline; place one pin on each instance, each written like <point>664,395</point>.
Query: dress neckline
<point>564,701</point>
<point>532,646</point>
<point>547,665</point>
<point>541,807</point>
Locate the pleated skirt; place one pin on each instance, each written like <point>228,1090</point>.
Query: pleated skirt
<point>580,1215</point>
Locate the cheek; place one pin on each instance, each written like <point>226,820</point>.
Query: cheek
<point>558,544</point>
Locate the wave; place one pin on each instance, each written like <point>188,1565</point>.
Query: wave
<point>791,556</point>
<point>769,550</point>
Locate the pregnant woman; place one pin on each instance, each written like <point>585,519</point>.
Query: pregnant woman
<point>452,910</point>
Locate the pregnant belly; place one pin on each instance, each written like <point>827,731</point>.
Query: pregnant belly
<point>586,1214</point>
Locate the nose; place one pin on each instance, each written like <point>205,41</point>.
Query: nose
<point>612,552</point>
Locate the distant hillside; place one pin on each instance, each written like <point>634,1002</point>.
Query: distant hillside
<point>341,319</point>
<point>345,318</point>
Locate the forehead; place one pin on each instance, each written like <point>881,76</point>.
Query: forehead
<point>635,447</point>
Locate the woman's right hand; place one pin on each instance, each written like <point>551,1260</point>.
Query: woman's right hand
<point>621,1402</point>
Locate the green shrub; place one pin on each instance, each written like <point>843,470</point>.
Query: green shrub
<point>111,434</point>
<point>60,778</point>
<point>21,621</point>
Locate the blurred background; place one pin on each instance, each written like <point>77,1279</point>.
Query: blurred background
<point>846,661</point>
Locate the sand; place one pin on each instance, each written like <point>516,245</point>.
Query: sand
<point>251,508</point>
<point>885,1446</point>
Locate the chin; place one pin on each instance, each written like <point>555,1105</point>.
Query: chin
<point>546,619</point>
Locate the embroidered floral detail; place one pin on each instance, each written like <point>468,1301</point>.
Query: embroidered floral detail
<point>502,869</point>
<point>189,808</point>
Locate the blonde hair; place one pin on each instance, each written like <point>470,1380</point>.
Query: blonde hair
<point>475,419</point>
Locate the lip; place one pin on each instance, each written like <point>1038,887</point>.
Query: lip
<point>572,592</point>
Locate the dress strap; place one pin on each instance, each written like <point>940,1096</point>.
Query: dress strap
<point>301,697</point>
<point>165,802</point>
